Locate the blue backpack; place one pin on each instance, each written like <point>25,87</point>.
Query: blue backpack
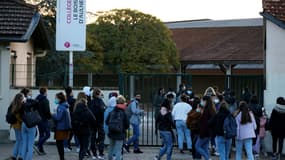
<point>230,127</point>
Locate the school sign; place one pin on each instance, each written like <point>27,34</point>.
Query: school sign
<point>71,25</point>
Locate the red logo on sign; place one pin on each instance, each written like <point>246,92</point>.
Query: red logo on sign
<point>66,44</point>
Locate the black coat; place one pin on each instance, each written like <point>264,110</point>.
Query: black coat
<point>97,107</point>
<point>126,124</point>
<point>43,108</point>
<point>218,121</point>
<point>276,121</point>
<point>83,116</point>
<point>164,122</point>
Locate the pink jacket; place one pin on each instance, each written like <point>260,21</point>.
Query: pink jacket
<point>245,131</point>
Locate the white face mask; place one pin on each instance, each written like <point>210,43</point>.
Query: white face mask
<point>216,101</point>
<point>198,110</point>
<point>29,97</point>
<point>24,100</point>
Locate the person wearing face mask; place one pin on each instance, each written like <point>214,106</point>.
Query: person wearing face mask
<point>205,132</point>
<point>135,121</point>
<point>63,122</point>
<point>192,123</point>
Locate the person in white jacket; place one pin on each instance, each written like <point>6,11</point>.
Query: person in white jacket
<point>246,126</point>
<point>179,113</point>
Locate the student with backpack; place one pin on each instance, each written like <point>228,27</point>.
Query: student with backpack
<point>15,111</point>
<point>117,122</point>
<point>222,125</point>
<point>135,121</point>
<point>245,131</point>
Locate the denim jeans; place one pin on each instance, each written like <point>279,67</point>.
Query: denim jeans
<point>28,135</point>
<point>135,138</point>
<point>202,147</point>
<point>195,154</point>
<point>18,145</point>
<point>182,132</point>
<point>115,149</point>
<point>224,147</point>
<point>248,148</point>
<point>166,137</point>
<point>44,131</point>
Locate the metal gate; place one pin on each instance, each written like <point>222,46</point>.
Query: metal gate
<point>147,85</point>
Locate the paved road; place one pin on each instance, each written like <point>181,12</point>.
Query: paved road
<point>149,153</point>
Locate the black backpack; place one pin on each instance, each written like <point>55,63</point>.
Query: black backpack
<point>116,122</point>
<point>230,127</point>
<point>10,116</point>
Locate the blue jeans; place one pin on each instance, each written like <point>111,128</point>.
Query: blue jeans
<point>166,137</point>
<point>248,148</point>
<point>135,138</point>
<point>115,149</point>
<point>44,131</point>
<point>224,147</point>
<point>28,135</point>
<point>182,132</point>
<point>202,147</point>
<point>18,145</point>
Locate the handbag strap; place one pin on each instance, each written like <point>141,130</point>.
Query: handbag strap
<point>92,115</point>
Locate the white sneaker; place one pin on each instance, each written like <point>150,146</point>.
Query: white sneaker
<point>94,157</point>
<point>67,150</point>
<point>155,158</point>
<point>101,157</point>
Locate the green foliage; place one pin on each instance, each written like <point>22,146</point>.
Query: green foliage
<point>135,42</point>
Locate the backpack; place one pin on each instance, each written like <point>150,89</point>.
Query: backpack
<point>128,111</point>
<point>230,127</point>
<point>116,122</point>
<point>10,117</point>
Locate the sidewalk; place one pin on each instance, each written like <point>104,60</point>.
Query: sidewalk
<point>149,154</point>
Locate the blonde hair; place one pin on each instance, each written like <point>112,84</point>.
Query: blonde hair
<point>81,98</point>
<point>121,99</point>
<point>210,91</point>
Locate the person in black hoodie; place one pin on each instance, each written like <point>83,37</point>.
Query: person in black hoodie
<point>217,123</point>
<point>164,123</point>
<point>97,107</point>
<point>82,121</point>
<point>117,138</point>
<point>43,126</point>
<point>276,128</point>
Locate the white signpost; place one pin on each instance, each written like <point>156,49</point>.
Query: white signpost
<point>71,29</point>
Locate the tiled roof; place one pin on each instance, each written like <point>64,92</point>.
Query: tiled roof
<point>226,45</point>
<point>275,7</point>
<point>17,19</point>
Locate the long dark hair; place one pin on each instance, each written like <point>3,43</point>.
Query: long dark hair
<point>209,105</point>
<point>17,103</point>
<point>245,116</point>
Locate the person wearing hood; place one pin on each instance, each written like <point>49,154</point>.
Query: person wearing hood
<point>117,137</point>
<point>111,105</point>
<point>63,122</point>
<point>277,131</point>
<point>43,126</point>
<point>87,90</point>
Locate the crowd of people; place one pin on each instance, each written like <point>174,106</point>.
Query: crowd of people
<point>211,125</point>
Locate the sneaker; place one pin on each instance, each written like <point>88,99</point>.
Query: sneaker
<point>77,150</point>
<point>126,148</point>
<point>215,153</point>
<point>181,151</point>
<point>67,149</point>
<point>155,158</point>
<point>256,156</point>
<point>274,156</point>
<point>101,157</point>
<point>41,153</point>
<point>36,149</point>
<point>11,158</point>
<point>94,157</point>
<point>138,151</point>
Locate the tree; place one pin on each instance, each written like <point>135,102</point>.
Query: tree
<point>135,42</point>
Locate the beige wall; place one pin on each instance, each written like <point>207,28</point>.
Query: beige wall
<point>25,63</point>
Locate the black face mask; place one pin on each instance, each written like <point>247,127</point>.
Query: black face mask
<point>138,100</point>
